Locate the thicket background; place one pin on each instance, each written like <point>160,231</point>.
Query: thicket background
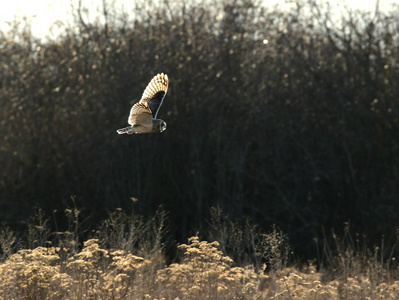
<point>301,132</point>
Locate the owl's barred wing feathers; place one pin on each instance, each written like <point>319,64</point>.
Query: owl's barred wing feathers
<point>140,114</point>
<point>154,93</point>
<point>140,118</point>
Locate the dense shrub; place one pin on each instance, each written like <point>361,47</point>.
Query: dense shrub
<point>301,131</point>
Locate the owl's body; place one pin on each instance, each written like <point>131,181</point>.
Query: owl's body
<point>143,114</point>
<point>156,126</point>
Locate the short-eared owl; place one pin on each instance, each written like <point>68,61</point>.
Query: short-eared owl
<point>143,115</point>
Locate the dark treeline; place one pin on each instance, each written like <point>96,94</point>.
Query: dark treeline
<point>301,130</point>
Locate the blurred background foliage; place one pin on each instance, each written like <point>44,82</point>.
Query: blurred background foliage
<point>287,117</point>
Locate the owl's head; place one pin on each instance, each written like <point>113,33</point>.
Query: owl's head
<point>159,125</point>
<point>162,126</point>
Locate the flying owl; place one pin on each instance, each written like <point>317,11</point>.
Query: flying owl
<point>143,114</point>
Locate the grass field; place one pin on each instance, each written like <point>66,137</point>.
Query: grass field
<point>127,260</point>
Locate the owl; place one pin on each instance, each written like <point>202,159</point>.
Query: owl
<point>143,114</point>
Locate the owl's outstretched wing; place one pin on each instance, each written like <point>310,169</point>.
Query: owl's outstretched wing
<point>154,93</point>
<point>140,115</point>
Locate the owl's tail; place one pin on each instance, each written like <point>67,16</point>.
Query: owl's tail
<point>127,130</point>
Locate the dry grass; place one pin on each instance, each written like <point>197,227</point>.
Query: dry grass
<point>93,273</point>
<point>204,272</point>
<point>126,260</point>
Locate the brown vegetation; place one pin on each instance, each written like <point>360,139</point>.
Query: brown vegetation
<point>202,272</point>
<point>301,132</point>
